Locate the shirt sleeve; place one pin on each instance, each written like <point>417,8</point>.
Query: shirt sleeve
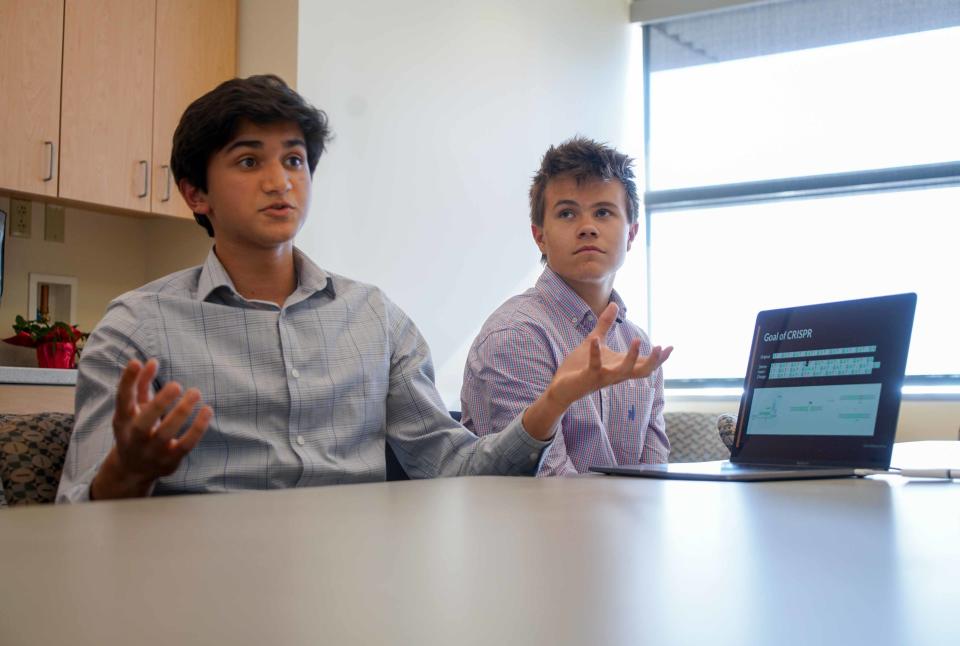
<point>557,462</point>
<point>426,440</point>
<point>108,349</point>
<point>506,372</point>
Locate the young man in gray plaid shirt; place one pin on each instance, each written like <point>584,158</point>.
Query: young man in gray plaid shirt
<point>260,370</point>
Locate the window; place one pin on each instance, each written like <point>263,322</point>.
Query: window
<point>798,152</point>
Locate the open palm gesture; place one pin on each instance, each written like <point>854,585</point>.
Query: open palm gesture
<point>593,365</point>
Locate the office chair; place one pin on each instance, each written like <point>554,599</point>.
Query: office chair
<point>694,437</point>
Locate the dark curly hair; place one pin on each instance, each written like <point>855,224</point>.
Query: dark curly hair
<point>584,159</point>
<point>209,123</point>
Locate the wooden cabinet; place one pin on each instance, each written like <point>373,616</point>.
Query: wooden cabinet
<point>195,36</point>
<point>129,68</point>
<point>107,114</point>
<point>30,54</point>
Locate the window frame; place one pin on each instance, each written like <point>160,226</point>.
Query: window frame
<point>788,188</point>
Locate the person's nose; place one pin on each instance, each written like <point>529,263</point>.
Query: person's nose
<point>587,231</point>
<point>276,178</point>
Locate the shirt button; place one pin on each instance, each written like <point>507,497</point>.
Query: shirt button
<point>533,457</point>
<point>295,373</point>
<point>300,440</point>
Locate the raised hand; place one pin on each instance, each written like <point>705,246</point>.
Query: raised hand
<point>591,366</point>
<point>147,432</point>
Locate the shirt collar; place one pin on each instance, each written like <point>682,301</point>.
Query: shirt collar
<point>310,278</point>
<point>569,303</point>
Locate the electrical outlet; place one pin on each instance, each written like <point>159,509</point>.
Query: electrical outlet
<point>53,223</point>
<point>20,218</point>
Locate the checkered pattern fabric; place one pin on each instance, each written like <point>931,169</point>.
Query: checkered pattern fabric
<point>303,395</point>
<point>516,355</point>
<point>32,449</point>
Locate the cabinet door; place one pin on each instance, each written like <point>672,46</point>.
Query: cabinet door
<point>196,50</point>
<point>107,113</point>
<point>30,52</point>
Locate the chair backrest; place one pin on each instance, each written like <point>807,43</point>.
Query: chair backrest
<point>32,449</point>
<point>395,470</point>
<point>694,437</point>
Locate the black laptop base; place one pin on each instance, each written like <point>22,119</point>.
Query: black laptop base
<point>723,470</point>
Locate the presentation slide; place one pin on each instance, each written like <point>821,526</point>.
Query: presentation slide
<point>847,409</point>
<point>830,370</point>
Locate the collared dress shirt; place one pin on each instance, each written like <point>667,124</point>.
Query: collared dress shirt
<point>514,358</point>
<point>303,395</point>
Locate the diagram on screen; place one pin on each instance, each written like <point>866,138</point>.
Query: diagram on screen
<point>849,409</point>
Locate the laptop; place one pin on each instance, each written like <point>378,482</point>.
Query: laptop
<point>821,396</point>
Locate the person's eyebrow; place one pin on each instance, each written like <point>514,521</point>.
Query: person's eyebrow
<point>607,205</point>
<point>243,143</point>
<point>258,145</point>
<point>566,203</point>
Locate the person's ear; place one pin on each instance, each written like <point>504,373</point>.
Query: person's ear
<point>538,237</point>
<point>194,197</point>
<point>632,233</point>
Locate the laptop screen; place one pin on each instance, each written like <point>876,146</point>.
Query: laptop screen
<point>823,383</point>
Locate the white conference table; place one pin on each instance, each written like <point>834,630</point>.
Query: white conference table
<point>585,560</point>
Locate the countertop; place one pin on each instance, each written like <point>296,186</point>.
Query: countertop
<point>37,376</point>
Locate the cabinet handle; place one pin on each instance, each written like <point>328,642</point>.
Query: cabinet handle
<point>50,166</point>
<point>166,195</point>
<point>146,177</point>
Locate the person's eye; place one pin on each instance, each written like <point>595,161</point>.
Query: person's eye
<point>603,213</point>
<point>565,214</point>
<point>246,162</point>
<point>295,161</point>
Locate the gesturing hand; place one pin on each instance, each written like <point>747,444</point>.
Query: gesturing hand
<point>593,365</point>
<point>147,433</point>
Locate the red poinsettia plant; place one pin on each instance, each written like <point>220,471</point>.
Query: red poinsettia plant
<point>58,344</point>
<point>30,334</point>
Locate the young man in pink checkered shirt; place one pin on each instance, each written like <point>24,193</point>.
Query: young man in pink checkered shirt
<point>583,211</point>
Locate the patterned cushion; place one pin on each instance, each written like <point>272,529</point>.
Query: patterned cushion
<point>727,427</point>
<point>32,448</point>
<point>694,438</point>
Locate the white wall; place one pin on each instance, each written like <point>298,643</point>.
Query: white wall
<point>266,38</point>
<point>441,112</point>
